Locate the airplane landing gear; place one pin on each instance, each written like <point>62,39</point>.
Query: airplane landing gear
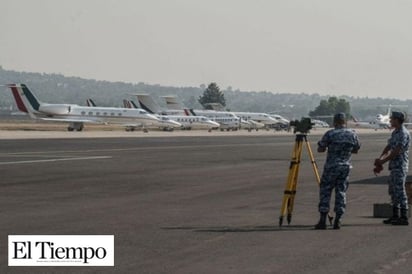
<point>130,128</point>
<point>75,126</point>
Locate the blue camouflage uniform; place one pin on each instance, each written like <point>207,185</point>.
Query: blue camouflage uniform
<point>398,167</point>
<point>340,143</point>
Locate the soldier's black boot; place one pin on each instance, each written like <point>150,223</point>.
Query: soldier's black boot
<point>322,221</point>
<point>336,223</point>
<point>395,216</point>
<point>403,220</point>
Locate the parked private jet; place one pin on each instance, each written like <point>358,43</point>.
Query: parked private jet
<point>164,123</point>
<point>227,120</point>
<point>282,122</point>
<point>248,120</point>
<point>187,122</point>
<point>77,115</point>
<point>258,117</point>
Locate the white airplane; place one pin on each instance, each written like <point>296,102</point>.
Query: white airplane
<point>164,123</point>
<point>187,122</point>
<point>355,123</point>
<point>252,125</point>
<point>381,121</point>
<point>262,118</point>
<point>319,124</point>
<point>350,123</point>
<point>227,120</point>
<point>248,120</point>
<point>195,122</point>
<point>77,115</point>
<point>251,120</point>
<point>282,121</point>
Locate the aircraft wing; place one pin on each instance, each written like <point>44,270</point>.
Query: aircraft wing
<point>73,120</point>
<point>132,125</point>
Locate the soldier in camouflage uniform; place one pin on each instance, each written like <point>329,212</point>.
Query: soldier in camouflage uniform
<point>340,143</point>
<point>396,152</point>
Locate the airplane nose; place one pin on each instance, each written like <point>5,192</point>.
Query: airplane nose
<point>153,117</point>
<point>216,124</point>
<point>175,124</point>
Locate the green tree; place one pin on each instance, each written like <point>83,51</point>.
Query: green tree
<point>330,107</point>
<point>212,94</point>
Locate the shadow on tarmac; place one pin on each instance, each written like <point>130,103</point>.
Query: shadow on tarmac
<point>378,180</point>
<point>239,229</point>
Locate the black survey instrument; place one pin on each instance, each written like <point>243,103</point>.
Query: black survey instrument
<point>303,126</point>
<point>291,184</point>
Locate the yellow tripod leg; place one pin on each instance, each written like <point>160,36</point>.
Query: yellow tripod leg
<point>291,183</point>
<point>312,159</point>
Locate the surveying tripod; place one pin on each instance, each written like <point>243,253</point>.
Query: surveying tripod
<point>291,184</point>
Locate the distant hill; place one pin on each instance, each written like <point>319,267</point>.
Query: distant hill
<point>56,88</point>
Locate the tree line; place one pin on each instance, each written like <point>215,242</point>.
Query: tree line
<point>56,88</point>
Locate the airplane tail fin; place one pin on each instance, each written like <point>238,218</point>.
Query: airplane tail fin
<point>90,103</point>
<point>126,103</point>
<point>189,112</point>
<point>133,104</point>
<point>26,101</point>
<point>172,102</point>
<point>18,99</point>
<point>129,104</point>
<point>355,119</point>
<point>147,103</point>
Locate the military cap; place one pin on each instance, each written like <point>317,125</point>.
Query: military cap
<point>339,117</point>
<point>398,115</point>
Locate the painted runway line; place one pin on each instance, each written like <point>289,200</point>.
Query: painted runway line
<point>56,160</point>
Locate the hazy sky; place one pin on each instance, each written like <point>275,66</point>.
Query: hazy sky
<point>353,47</point>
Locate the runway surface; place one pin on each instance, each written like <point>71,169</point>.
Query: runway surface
<point>195,205</point>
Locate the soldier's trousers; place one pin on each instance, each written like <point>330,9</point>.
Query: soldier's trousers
<point>334,178</point>
<point>397,191</point>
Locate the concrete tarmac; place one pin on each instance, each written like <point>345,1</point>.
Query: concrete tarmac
<point>195,205</point>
